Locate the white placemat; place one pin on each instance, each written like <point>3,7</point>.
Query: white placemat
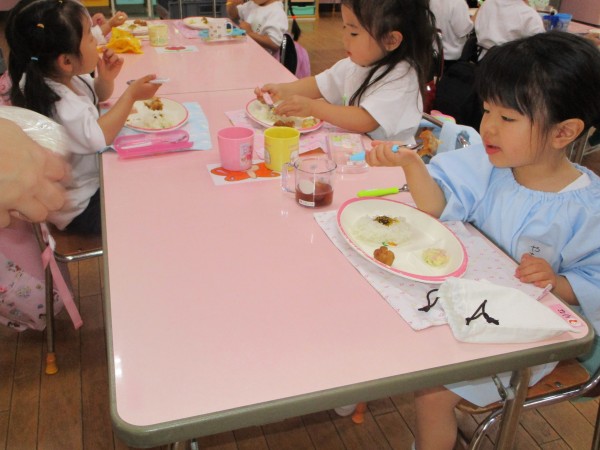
<point>407,296</point>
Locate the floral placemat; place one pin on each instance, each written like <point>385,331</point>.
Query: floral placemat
<point>409,298</point>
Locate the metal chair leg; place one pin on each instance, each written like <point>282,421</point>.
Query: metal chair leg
<point>596,438</point>
<point>51,366</point>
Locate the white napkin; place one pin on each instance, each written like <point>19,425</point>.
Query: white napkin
<point>483,312</point>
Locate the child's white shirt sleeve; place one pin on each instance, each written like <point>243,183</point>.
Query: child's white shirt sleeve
<point>97,33</point>
<point>79,115</point>
<point>394,102</point>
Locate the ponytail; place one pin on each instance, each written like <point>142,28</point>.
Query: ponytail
<point>38,32</point>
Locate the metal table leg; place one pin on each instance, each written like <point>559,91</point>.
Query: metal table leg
<point>519,384</point>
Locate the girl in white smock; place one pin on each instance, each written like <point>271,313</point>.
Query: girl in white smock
<point>377,88</point>
<point>52,52</point>
<point>265,21</point>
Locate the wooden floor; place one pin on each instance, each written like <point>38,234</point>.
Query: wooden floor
<point>69,410</point>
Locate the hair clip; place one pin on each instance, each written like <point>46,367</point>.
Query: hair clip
<point>34,58</point>
<point>40,25</point>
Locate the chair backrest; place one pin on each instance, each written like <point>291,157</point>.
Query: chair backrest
<point>287,53</point>
<point>303,66</point>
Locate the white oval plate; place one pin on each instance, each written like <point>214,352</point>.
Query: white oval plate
<point>133,28</point>
<point>428,232</point>
<point>259,113</point>
<point>197,23</point>
<point>173,111</point>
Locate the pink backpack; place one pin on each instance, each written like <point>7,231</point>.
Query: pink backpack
<point>22,286</point>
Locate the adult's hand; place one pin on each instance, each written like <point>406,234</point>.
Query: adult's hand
<point>29,176</point>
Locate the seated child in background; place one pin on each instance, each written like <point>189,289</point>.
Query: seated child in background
<point>378,88</point>
<point>102,27</point>
<point>500,21</point>
<point>265,21</point>
<point>52,52</point>
<point>453,20</point>
<point>519,189</point>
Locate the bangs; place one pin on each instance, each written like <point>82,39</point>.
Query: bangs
<point>516,82</point>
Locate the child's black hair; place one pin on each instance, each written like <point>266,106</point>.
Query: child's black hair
<point>413,19</point>
<point>548,77</point>
<point>37,32</point>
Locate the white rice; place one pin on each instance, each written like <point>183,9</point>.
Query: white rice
<point>147,118</point>
<point>367,228</point>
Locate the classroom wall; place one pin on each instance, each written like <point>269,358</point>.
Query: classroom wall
<point>587,11</point>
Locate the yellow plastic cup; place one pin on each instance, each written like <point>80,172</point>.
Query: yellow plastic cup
<point>281,145</point>
<point>158,33</point>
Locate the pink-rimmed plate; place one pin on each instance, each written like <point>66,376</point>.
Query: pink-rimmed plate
<point>426,233</point>
<point>262,115</point>
<point>197,23</point>
<point>173,115</point>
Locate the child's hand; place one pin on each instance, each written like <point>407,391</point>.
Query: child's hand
<point>535,270</point>
<point>109,65</point>
<point>141,89</point>
<point>381,154</point>
<point>98,19</point>
<point>118,19</point>
<point>296,105</point>
<point>276,91</point>
<point>245,26</point>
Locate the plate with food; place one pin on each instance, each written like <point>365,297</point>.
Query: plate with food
<point>156,114</point>
<point>137,27</point>
<point>402,239</point>
<point>196,23</point>
<point>263,114</point>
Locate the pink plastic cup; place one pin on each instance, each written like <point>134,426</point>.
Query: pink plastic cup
<point>235,147</point>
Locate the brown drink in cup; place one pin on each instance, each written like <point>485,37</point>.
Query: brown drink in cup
<point>319,195</point>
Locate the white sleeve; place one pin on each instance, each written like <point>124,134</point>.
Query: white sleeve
<point>80,117</point>
<point>331,82</point>
<point>460,20</point>
<point>276,24</point>
<point>97,33</point>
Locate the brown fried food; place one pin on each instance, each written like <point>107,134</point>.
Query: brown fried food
<point>430,143</point>
<point>154,104</point>
<point>282,123</point>
<point>140,22</point>
<point>384,255</point>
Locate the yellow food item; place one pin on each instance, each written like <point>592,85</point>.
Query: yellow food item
<point>435,257</point>
<point>124,42</point>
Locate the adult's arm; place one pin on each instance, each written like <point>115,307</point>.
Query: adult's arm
<point>29,176</point>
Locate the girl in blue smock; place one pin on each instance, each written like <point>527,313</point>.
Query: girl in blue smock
<point>518,187</point>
